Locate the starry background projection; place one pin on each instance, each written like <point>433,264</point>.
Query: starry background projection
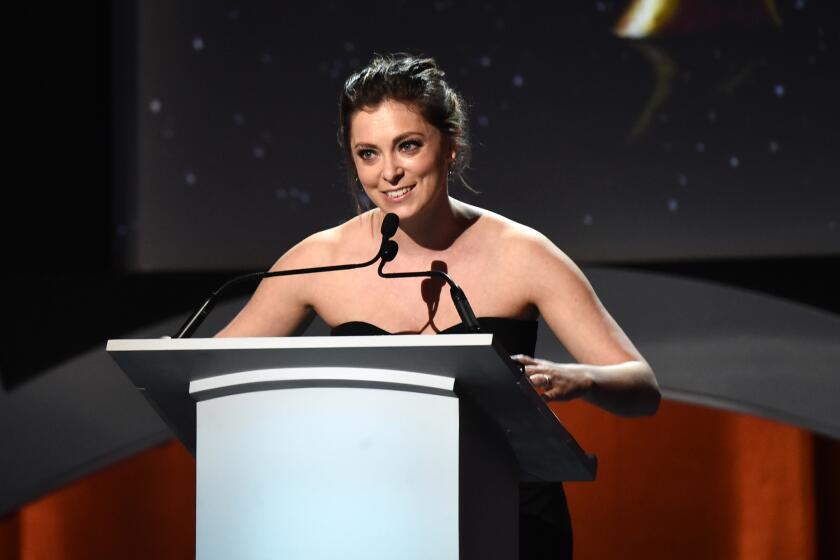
<point>716,137</point>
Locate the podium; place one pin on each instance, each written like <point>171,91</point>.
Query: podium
<point>367,447</point>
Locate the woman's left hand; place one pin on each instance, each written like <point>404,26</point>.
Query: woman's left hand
<point>562,382</point>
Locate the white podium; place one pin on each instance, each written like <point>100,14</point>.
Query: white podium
<point>370,447</point>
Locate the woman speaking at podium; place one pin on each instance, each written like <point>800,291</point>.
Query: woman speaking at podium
<point>404,133</point>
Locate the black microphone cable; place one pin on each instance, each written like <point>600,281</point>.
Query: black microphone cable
<point>389,227</point>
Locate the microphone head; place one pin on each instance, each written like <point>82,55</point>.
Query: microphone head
<point>389,249</point>
<point>389,225</point>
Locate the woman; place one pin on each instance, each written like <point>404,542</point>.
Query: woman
<point>405,134</point>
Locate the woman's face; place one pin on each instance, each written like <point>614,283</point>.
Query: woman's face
<point>401,160</point>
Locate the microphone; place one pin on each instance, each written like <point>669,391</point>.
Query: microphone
<point>389,227</point>
<point>459,298</point>
<point>390,223</point>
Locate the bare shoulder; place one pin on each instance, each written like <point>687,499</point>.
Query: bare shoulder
<point>557,287</point>
<point>327,246</point>
<point>536,264</point>
<point>523,242</point>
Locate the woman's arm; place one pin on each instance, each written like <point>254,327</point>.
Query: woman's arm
<point>281,304</point>
<point>627,389</point>
<point>611,372</point>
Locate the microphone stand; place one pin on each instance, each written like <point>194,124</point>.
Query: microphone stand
<point>389,227</point>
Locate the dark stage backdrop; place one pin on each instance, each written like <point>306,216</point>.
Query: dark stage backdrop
<point>711,136</point>
<point>67,294</point>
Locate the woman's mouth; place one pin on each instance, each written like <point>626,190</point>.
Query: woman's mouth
<point>399,194</point>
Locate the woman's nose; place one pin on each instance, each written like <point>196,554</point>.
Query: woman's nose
<point>392,172</point>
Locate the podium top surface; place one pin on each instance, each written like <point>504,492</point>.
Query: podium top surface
<point>483,372</point>
<point>299,342</point>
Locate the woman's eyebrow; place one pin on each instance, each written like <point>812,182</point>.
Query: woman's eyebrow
<point>396,141</point>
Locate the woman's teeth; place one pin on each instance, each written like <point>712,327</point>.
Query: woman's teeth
<point>399,193</point>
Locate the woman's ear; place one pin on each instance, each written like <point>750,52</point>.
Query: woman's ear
<point>451,144</point>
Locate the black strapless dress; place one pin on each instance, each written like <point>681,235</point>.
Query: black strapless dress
<point>545,529</point>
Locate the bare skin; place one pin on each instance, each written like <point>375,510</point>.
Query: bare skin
<point>506,269</point>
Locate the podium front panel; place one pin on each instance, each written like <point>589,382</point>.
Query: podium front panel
<point>311,472</point>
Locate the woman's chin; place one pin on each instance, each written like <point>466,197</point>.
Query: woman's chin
<point>402,210</point>
<point>402,213</point>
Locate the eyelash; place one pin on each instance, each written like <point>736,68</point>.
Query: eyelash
<point>366,152</point>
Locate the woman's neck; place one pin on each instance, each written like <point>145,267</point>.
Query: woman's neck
<point>437,229</point>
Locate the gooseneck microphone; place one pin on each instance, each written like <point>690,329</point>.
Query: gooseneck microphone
<point>388,229</point>
<point>462,305</point>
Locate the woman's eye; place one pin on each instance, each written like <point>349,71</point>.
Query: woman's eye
<point>365,154</point>
<point>409,145</point>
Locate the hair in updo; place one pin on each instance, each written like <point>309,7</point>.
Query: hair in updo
<point>413,80</point>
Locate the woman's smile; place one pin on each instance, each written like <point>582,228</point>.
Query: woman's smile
<point>397,195</point>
